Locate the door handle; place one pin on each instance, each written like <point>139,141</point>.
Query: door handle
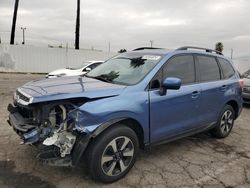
<point>195,94</point>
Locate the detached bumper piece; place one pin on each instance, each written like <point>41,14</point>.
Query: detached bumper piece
<point>51,155</point>
<point>23,126</point>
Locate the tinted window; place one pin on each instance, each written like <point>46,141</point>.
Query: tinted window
<point>156,81</point>
<point>181,67</point>
<point>208,67</point>
<point>227,68</point>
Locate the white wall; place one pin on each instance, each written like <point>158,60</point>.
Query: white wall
<point>25,58</point>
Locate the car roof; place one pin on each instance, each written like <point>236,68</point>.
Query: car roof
<point>187,49</point>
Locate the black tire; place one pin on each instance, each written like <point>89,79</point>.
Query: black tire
<point>222,130</point>
<point>102,146</point>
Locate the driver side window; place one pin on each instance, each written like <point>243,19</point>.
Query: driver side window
<point>181,66</point>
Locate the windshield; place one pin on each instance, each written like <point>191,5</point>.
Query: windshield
<point>125,69</point>
<point>246,74</point>
<point>79,66</point>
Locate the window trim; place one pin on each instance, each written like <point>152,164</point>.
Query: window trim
<point>230,64</point>
<point>198,68</point>
<point>160,71</point>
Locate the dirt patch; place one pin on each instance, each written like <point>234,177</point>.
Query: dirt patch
<point>18,180</point>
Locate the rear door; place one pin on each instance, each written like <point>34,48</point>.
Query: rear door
<point>231,87</point>
<point>212,88</point>
<point>174,113</point>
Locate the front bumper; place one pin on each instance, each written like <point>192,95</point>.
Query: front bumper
<point>31,133</point>
<point>24,127</point>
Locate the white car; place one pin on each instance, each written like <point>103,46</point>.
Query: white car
<point>86,67</point>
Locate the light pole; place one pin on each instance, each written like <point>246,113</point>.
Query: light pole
<point>23,28</point>
<point>77,33</point>
<point>151,43</point>
<point>13,28</point>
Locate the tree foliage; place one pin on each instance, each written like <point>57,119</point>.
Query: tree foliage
<point>219,46</point>
<point>122,51</point>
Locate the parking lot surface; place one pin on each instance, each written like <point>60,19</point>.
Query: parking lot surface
<point>197,161</point>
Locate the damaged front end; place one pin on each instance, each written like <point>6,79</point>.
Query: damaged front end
<point>49,127</point>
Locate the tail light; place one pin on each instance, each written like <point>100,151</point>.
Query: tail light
<point>241,81</point>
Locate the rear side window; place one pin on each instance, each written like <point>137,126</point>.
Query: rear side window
<point>226,67</point>
<point>181,67</point>
<point>208,68</point>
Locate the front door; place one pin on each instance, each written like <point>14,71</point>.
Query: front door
<point>176,112</point>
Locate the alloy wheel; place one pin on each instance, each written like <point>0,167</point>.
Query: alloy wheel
<point>117,156</point>
<point>226,123</point>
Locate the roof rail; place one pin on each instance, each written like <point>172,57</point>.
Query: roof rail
<point>199,48</point>
<point>146,48</point>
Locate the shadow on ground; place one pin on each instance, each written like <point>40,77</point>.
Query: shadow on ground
<point>16,179</point>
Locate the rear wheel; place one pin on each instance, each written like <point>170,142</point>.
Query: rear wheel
<point>225,122</point>
<point>112,154</point>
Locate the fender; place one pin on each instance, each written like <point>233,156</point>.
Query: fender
<point>104,126</point>
<point>84,139</point>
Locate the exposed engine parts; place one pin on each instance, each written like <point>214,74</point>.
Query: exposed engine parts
<point>46,125</point>
<point>60,138</point>
<point>64,140</point>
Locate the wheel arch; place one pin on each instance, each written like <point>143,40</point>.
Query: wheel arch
<point>235,106</point>
<point>129,122</point>
<point>136,126</point>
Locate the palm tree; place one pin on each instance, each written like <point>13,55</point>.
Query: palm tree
<point>122,50</point>
<point>77,26</point>
<point>13,29</point>
<point>219,46</point>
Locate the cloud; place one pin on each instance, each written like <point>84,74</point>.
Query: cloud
<point>132,23</point>
<point>227,5</point>
<point>242,38</point>
<point>166,22</point>
<point>5,12</point>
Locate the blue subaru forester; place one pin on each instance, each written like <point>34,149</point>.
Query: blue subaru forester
<point>134,100</point>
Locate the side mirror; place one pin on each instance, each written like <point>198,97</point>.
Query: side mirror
<point>170,83</point>
<point>87,69</point>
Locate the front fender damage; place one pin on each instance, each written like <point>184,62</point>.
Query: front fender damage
<point>61,130</point>
<point>52,130</point>
<point>70,145</point>
<point>73,145</point>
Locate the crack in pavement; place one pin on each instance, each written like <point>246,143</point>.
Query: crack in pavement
<point>197,161</point>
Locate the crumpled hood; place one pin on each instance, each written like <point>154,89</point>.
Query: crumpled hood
<point>68,87</point>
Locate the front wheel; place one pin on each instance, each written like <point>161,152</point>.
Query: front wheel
<point>112,154</point>
<point>225,122</point>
